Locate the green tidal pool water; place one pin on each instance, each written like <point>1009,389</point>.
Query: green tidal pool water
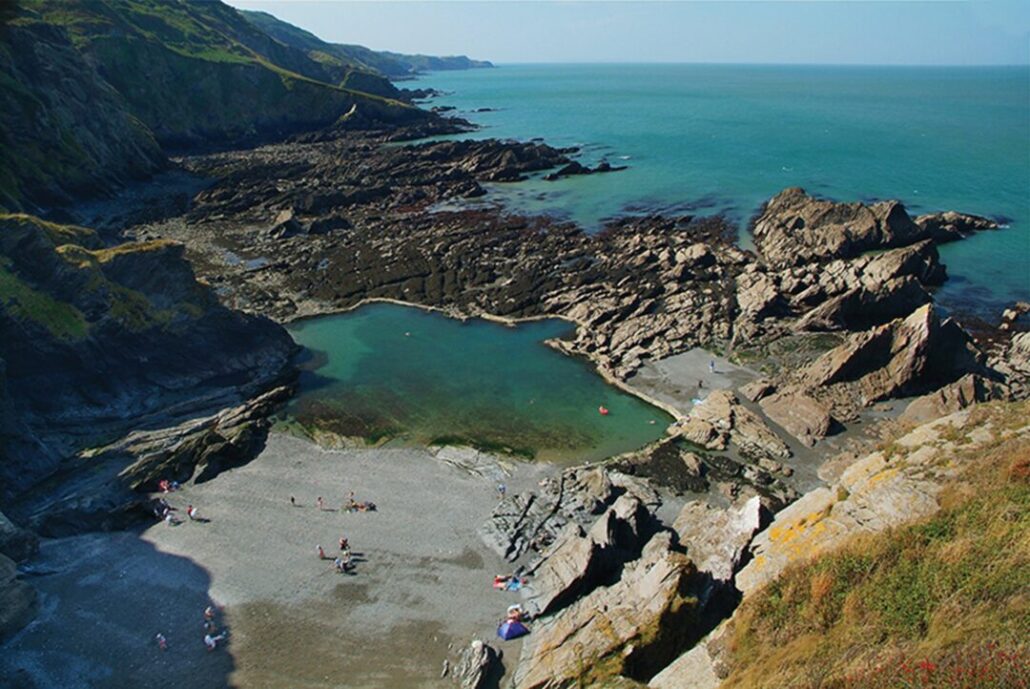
<point>393,372</point>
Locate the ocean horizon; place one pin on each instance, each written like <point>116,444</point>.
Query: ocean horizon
<point>722,138</point>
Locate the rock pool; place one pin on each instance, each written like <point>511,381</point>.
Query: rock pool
<point>399,373</point>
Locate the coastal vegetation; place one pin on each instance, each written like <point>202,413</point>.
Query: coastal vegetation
<point>940,602</point>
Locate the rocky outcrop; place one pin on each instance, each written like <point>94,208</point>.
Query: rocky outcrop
<point>631,628</point>
<point>717,539</point>
<point>800,415</point>
<point>950,226</point>
<point>968,390</point>
<point>97,340</point>
<point>720,418</point>
<point>531,522</point>
<point>578,561</point>
<point>107,488</point>
<point>795,228</point>
<point>882,490</point>
<point>904,357</point>
<point>576,168</point>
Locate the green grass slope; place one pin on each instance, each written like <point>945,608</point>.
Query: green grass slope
<point>943,602</point>
<point>90,90</point>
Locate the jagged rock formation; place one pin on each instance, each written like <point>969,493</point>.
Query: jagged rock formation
<point>531,522</point>
<point>881,490</point>
<point>476,665</point>
<point>796,229</point>
<point>97,341</point>
<point>625,629</point>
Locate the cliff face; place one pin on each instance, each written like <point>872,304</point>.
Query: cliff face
<point>63,129</point>
<point>94,339</point>
<point>92,89</point>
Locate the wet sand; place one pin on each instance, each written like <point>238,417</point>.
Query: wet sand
<point>421,583</point>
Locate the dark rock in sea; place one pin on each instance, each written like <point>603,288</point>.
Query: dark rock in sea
<point>576,168</point>
<point>795,228</point>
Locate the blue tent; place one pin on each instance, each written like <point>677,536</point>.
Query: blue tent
<point>511,629</point>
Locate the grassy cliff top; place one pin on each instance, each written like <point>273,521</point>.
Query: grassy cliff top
<point>941,602</point>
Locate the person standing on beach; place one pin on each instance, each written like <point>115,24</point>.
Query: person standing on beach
<point>320,551</point>
<point>293,501</point>
<point>711,366</point>
<point>321,503</point>
<point>501,490</point>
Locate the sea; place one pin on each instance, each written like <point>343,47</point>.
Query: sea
<point>721,139</point>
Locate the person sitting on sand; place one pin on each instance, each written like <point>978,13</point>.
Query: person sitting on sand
<point>344,544</point>
<point>212,641</point>
<point>171,520</point>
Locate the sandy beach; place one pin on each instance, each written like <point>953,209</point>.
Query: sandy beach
<point>421,584</point>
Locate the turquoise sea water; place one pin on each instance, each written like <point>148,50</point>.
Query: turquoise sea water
<point>723,138</point>
<point>387,371</point>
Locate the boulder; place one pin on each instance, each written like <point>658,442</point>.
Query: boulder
<point>800,415</point>
<point>716,539</point>
<point>758,389</point>
<point>285,225</point>
<point>967,390</point>
<point>724,413</point>
<point>477,664</point>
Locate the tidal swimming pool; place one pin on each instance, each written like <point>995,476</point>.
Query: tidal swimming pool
<point>401,374</point>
